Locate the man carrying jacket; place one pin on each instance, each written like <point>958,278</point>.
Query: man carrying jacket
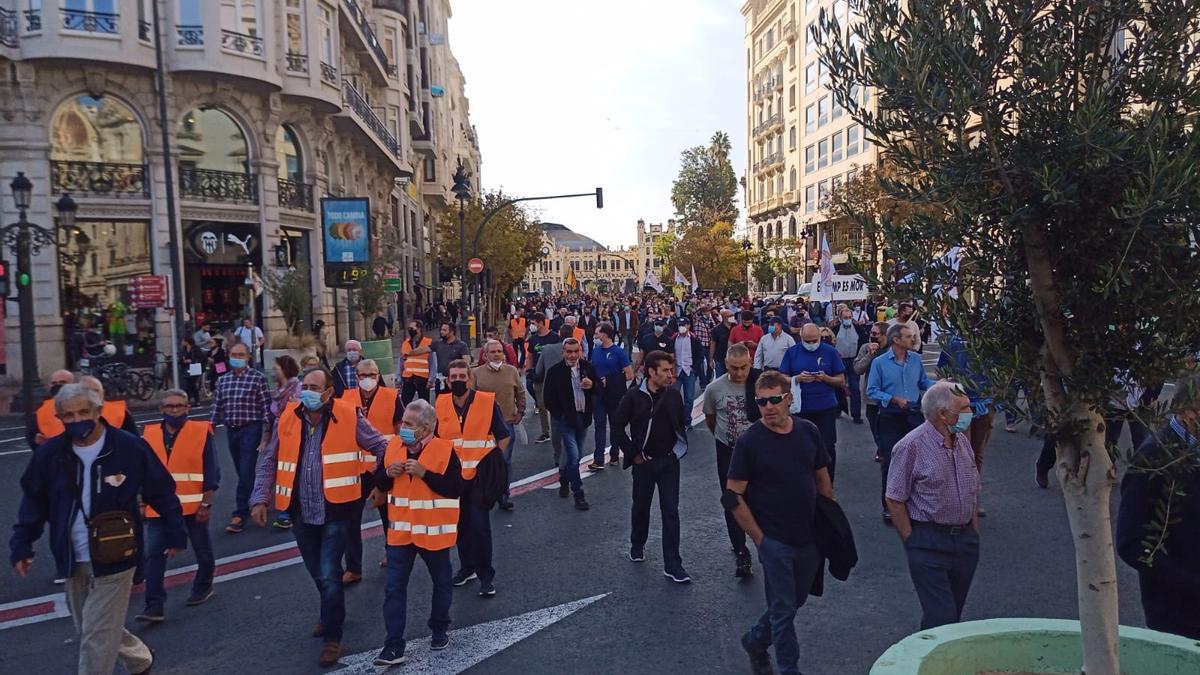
<point>472,421</point>
<point>185,448</point>
<point>90,470</point>
<point>654,414</point>
<point>569,389</point>
<point>419,482</point>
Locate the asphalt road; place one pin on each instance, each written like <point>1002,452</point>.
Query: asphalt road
<point>629,618</point>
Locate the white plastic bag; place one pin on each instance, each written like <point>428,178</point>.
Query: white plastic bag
<point>794,408</point>
<point>522,436</point>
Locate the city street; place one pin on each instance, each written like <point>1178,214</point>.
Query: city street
<point>569,600</point>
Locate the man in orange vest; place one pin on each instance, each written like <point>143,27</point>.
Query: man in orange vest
<point>420,487</point>
<point>316,451</point>
<point>414,352</point>
<point>381,406</point>
<point>517,331</point>
<point>48,424</point>
<point>116,413</point>
<point>185,448</point>
<point>472,420</point>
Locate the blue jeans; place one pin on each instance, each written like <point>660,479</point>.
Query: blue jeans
<point>243,446</point>
<point>508,452</point>
<point>942,566</point>
<point>788,573</point>
<point>600,421</point>
<point>155,566</point>
<point>572,449</point>
<point>686,384</point>
<point>719,369</point>
<point>400,561</point>
<point>852,381</point>
<point>475,539</point>
<point>321,548</point>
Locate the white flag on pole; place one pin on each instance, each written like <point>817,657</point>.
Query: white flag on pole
<point>950,262</point>
<point>826,264</point>
<point>652,281</point>
<point>695,284</point>
<point>680,280</point>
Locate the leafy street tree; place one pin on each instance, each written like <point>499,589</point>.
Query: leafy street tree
<point>1057,141</point>
<point>290,293</point>
<point>705,192</point>
<point>664,249</point>
<point>762,268</point>
<point>718,258</point>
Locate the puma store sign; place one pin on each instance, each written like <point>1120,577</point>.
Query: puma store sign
<point>222,243</point>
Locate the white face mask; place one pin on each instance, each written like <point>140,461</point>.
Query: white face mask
<point>353,356</point>
<point>495,365</point>
<point>367,383</point>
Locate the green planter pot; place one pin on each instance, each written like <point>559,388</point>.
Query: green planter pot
<point>1030,646</point>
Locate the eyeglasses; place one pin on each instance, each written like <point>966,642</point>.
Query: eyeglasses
<point>762,401</point>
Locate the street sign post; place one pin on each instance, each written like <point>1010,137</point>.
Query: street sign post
<point>392,283</point>
<point>148,291</point>
<point>475,265</point>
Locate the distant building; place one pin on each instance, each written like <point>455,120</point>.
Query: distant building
<point>597,267</point>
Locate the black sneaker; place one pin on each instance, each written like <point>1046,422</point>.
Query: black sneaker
<point>581,502</point>
<point>614,461</point>
<point>760,660</point>
<point>461,578</point>
<point>506,504</point>
<point>543,438</point>
<point>151,615</point>
<point>390,656</point>
<point>199,597</point>
<point>439,641</point>
<point>637,555</point>
<point>487,590</point>
<point>744,565</point>
<point>282,523</point>
<point>678,576</point>
<point>563,490</point>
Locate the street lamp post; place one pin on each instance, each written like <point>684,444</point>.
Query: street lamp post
<point>25,240</point>
<point>746,247</point>
<point>462,192</point>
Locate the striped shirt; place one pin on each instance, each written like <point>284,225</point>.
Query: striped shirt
<point>242,398</point>
<point>937,484</point>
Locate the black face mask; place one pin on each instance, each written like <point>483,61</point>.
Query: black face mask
<point>54,389</point>
<point>412,332</point>
<point>458,388</point>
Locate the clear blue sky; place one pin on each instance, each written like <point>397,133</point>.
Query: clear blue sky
<point>570,95</point>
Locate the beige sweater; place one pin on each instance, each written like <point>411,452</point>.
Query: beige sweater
<point>506,384</point>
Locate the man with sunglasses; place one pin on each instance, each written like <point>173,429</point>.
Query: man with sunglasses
<point>778,468</point>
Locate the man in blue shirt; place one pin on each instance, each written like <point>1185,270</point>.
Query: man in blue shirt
<point>613,370</point>
<point>896,380</point>
<point>818,369</point>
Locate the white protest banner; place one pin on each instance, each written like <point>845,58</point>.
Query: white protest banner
<point>840,287</point>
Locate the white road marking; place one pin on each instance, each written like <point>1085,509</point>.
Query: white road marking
<point>468,646</point>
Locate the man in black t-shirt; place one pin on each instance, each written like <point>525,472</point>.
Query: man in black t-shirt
<point>778,468</point>
<point>657,339</point>
<point>719,344</point>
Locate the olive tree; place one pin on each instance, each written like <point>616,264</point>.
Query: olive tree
<point>1056,142</point>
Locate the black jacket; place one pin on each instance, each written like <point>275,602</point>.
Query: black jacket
<point>752,412</point>
<point>560,398</point>
<point>835,541</point>
<point>634,412</point>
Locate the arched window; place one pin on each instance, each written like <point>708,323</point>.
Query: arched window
<point>792,226</point>
<point>760,236</point>
<point>214,157</point>
<point>287,154</point>
<point>779,230</point>
<point>96,147</point>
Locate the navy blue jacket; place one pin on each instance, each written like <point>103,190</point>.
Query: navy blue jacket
<point>49,484</point>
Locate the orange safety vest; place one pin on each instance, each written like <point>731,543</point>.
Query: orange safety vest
<point>581,335</point>
<point>186,462</point>
<point>416,514</point>
<point>115,413</point>
<point>48,423</point>
<point>472,438</point>
<point>381,414</point>
<point>341,462</point>
<point>516,327</point>
<point>415,366</point>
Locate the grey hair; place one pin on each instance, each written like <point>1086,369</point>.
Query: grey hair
<point>894,331</point>
<point>366,362</point>
<point>75,390</point>
<point>571,319</point>
<point>426,413</point>
<point>488,345</point>
<point>937,398</point>
<point>175,392</point>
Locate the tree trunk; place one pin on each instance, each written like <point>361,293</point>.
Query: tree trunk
<point>1086,490</point>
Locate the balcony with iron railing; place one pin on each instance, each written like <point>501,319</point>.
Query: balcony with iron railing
<point>189,36</point>
<point>295,195</point>
<point>366,36</point>
<point>100,179</point>
<point>90,22</point>
<point>221,186</point>
<point>353,100</point>
<point>775,120</point>
<point>8,29</point>
<point>329,73</point>
<point>398,6</point>
<point>239,43</point>
<point>297,63</point>
<point>789,31</point>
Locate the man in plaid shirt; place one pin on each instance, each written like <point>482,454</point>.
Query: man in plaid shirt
<point>243,404</point>
<point>702,325</point>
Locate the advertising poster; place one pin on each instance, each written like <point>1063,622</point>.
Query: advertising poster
<point>346,224</point>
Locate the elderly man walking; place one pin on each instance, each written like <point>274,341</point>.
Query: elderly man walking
<point>896,381</point>
<point>933,496</point>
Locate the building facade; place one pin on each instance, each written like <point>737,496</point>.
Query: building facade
<point>597,267</point>
<point>270,106</point>
<point>802,143</point>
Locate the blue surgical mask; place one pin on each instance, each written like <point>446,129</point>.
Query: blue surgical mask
<point>237,364</point>
<point>176,421</point>
<point>408,436</point>
<point>811,346</point>
<point>81,429</point>
<point>964,421</point>
<point>311,400</point>
<point>658,330</point>
<point>847,323</point>
<point>772,328</point>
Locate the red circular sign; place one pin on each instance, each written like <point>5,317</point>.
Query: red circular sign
<point>475,265</point>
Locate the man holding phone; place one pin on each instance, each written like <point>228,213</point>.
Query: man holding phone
<point>819,371</point>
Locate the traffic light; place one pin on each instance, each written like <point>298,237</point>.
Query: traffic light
<point>3,278</point>
<point>599,197</point>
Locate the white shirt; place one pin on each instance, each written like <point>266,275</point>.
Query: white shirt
<point>79,531</point>
<point>771,349</point>
<point>248,336</point>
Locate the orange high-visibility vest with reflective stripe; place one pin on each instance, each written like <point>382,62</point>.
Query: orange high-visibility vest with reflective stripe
<point>380,415</point>
<point>185,463</point>
<point>581,335</point>
<point>48,423</point>
<point>516,327</point>
<point>341,463</point>
<point>114,412</point>
<point>415,366</point>
<point>416,514</point>
<point>473,438</point>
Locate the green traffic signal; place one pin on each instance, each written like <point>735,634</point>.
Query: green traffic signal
<point>23,279</point>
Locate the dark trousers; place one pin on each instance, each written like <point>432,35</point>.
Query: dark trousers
<point>852,381</point>
<point>400,561</point>
<point>155,566</point>
<point>414,387</point>
<point>569,457</point>
<point>519,347</point>
<point>354,545</point>
<point>873,423</point>
<point>941,565</point>
<point>321,548</point>
<point>892,427</point>
<point>475,540</point>
<point>243,446</point>
<point>602,409</point>
<point>737,537</point>
<point>826,421</point>
<point>1049,454</point>
<point>1137,432</point>
<point>663,473</point>
<point>788,573</point>
<point>1168,607</point>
